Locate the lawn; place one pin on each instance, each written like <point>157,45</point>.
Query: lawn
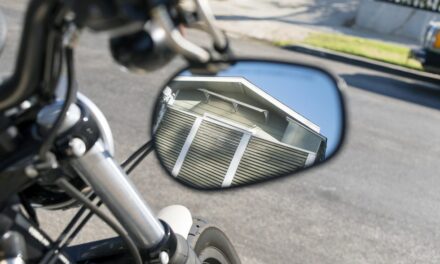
<point>372,49</point>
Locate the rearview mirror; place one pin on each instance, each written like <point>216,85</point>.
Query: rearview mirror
<point>252,122</point>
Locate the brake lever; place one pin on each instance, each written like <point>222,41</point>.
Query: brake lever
<point>175,40</point>
<point>206,15</point>
<point>201,17</point>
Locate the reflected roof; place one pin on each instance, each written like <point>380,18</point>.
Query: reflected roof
<point>241,85</point>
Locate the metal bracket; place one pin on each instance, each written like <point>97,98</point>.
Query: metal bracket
<point>175,40</point>
<point>205,13</point>
<point>205,21</point>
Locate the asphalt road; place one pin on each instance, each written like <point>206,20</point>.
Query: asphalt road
<point>376,202</point>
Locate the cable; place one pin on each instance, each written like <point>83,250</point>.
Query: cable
<point>135,154</point>
<point>70,98</point>
<point>79,227</point>
<point>74,193</point>
<point>61,242</point>
<point>138,160</point>
<point>28,209</point>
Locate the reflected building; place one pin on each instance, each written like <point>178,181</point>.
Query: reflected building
<point>214,132</point>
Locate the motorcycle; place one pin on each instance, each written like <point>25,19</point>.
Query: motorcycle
<point>222,122</point>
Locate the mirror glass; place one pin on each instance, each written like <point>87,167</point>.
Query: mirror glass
<point>252,122</point>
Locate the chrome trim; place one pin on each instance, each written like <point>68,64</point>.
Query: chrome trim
<point>104,127</point>
<point>175,40</point>
<point>47,116</point>
<point>118,193</point>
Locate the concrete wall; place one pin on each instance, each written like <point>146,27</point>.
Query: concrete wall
<point>393,20</point>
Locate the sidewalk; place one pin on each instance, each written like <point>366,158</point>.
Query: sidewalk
<point>293,20</point>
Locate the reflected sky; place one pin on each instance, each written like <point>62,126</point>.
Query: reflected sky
<point>306,91</point>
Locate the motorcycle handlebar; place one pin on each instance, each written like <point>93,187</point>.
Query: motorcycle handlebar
<point>28,72</point>
<point>98,168</point>
<point>39,37</point>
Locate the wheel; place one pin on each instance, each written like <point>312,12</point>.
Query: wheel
<point>211,244</point>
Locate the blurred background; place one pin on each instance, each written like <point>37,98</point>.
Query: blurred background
<point>371,29</point>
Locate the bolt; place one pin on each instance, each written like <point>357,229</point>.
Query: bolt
<point>164,258</point>
<point>30,171</point>
<point>77,147</point>
<point>25,105</point>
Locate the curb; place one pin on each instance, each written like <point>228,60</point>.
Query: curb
<point>367,63</point>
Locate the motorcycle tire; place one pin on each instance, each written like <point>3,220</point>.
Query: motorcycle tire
<point>211,245</point>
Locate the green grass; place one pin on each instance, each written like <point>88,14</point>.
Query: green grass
<point>372,49</point>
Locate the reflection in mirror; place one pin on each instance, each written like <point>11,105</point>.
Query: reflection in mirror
<point>253,122</point>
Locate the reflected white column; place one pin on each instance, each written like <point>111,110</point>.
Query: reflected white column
<point>186,146</point>
<point>227,181</point>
